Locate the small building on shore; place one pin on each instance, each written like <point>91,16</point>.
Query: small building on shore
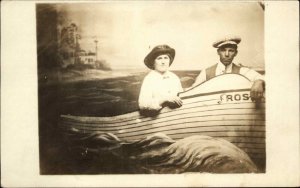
<point>84,57</point>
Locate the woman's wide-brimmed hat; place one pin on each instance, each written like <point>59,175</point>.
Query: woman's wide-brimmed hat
<point>156,51</point>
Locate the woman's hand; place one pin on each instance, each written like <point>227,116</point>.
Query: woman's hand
<point>173,102</point>
<point>176,100</point>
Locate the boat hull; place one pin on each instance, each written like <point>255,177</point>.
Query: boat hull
<point>220,107</point>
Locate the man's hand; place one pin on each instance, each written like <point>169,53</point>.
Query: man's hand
<point>257,90</point>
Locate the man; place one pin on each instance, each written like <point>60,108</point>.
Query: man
<point>227,50</point>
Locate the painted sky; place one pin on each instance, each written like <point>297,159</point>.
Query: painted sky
<point>128,30</point>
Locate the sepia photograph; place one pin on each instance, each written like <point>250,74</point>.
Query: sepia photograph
<point>144,88</point>
<point>149,93</point>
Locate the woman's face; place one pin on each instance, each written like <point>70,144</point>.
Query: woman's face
<point>162,63</point>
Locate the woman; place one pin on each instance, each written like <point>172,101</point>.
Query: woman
<point>160,87</point>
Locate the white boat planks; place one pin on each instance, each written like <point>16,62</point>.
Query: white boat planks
<point>220,107</point>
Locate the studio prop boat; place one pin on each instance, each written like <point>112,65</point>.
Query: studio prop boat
<point>220,107</point>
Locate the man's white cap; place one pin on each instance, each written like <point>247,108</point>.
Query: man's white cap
<point>227,40</point>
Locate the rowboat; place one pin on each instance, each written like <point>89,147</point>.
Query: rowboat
<point>220,107</point>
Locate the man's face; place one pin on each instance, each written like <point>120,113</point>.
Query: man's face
<point>162,63</point>
<point>227,54</point>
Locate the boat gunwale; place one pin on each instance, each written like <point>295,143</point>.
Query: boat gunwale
<point>79,118</point>
<point>214,78</point>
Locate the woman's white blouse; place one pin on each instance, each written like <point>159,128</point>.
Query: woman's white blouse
<point>157,87</point>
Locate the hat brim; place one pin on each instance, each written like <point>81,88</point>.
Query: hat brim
<point>233,41</point>
<point>149,59</point>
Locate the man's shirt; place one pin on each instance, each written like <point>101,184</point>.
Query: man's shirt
<point>252,75</point>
